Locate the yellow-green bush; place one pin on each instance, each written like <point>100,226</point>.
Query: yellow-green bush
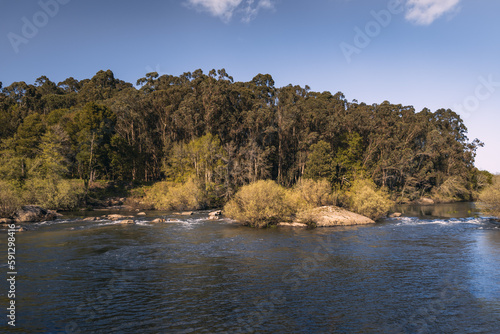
<point>490,198</point>
<point>10,200</point>
<point>259,204</point>
<point>308,194</point>
<point>56,194</point>
<point>174,196</point>
<point>367,200</point>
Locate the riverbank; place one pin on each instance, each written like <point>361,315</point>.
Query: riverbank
<point>129,198</point>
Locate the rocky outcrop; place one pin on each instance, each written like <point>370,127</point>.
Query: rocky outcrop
<point>425,201</point>
<point>185,213</point>
<point>292,224</point>
<point>116,217</point>
<point>141,214</point>
<point>326,216</point>
<point>215,215</point>
<point>158,221</point>
<point>33,214</point>
<point>6,221</point>
<point>91,219</point>
<point>395,215</point>
<point>126,222</point>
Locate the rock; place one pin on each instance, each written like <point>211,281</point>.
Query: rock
<point>171,220</point>
<point>425,201</point>
<point>34,213</point>
<point>126,222</point>
<point>116,217</point>
<point>395,215</point>
<point>22,229</point>
<point>158,221</point>
<point>292,224</point>
<point>185,213</point>
<point>91,219</point>
<point>215,215</point>
<point>141,214</point>
<point>6,221</point>
<point>114,201</point>
<point>332,216</point>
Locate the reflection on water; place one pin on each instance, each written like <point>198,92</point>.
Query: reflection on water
<point>445,210</point>
<point>433,271</point>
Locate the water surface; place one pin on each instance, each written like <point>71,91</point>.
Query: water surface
<point>435,270</point>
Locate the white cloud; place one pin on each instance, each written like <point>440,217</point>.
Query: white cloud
<point>424,12</point>
<point>225,9</point>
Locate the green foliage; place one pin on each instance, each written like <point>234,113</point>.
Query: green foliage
<point>490,198</point>
<point>200,158</point>
<point>175,196</point>
<point>319,163</point>
<point>367,200</point>
<point>52,161</point>
<point>349,160</point>
<point>259,204</point>
<point>56,116</point>
<point>28,136</point>
<point>12,165</point>
<point>226,134</point>
<point>56,194</point>
<point>10,200</point>
<point>94,126</point>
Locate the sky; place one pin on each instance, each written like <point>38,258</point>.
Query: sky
<point>424,53</point>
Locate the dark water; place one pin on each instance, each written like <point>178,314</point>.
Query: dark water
<point>435,271</point>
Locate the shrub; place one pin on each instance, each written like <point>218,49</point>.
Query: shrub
<point>453,189</point>
<point>367,200</point>
<point>70,194</point>
<point>308,194</point>
<point>175,196</point>
<point>56,194</point>
<point>490,198</point>
<point>259,204</point>
<point>10,200</point>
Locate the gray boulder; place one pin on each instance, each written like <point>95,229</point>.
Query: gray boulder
<point>33,214</point>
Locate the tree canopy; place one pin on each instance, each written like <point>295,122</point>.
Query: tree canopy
<point>229,134</point>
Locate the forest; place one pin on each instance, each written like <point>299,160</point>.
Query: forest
<point>206,131</point>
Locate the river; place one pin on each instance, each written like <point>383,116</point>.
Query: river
<point>434,270</point>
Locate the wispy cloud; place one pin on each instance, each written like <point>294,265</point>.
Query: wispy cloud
<point>225,9</point>
<point>424,12</point>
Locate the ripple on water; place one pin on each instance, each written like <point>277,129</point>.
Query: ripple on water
<point>405,221</point>
<point>192,275</point>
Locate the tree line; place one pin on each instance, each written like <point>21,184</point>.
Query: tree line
<point>227,134</point>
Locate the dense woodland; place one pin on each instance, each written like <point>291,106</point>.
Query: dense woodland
<point>226,134</point>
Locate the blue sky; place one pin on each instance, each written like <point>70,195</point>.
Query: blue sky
<point>425,53</point>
